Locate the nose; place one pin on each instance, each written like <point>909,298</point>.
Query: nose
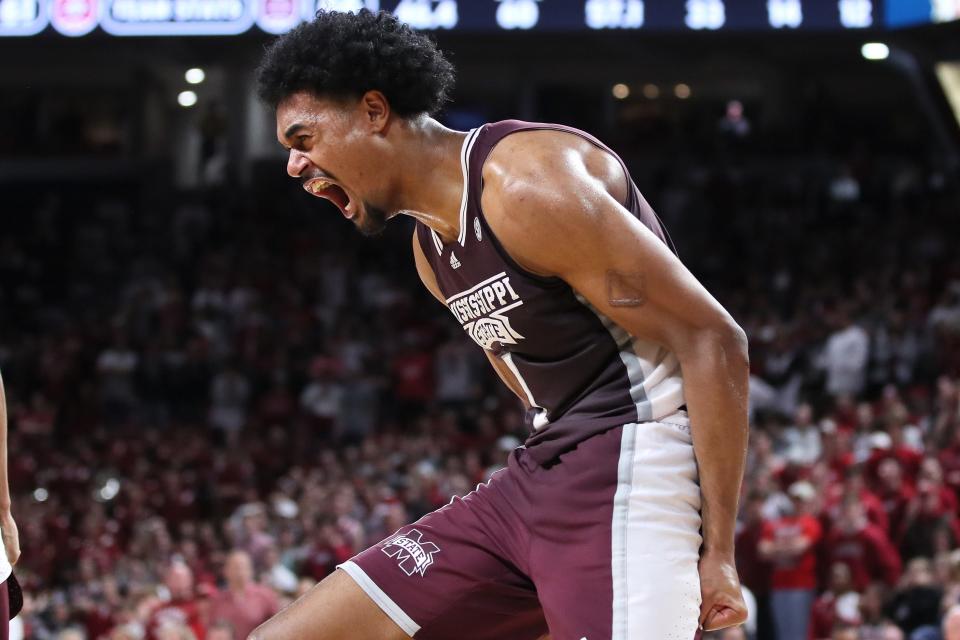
<point>296,163</point>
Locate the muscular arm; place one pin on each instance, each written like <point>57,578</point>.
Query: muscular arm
<point>429,279</point>
<point>4,484</point>
<point>554,203</point>
<point>8,527</point>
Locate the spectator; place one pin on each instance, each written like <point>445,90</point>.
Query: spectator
<point>895,494</point>
<point>862,546</point>
<point>243,604</point>
<point>182,607</point>
<point>229,397</point>
<point>788,544</point>
<point>802,438</point>
<point>277,574</point>
<point>929,526</point>
<point>322,399</point>
<point>845,355</point>
<point>839,604</point>
<point>916,603</point>
<point>754,571</point>
<point>873,622</point>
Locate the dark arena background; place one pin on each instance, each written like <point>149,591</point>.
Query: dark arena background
<point>215,383</point>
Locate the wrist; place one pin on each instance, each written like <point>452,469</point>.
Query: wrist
<point>723,552</point>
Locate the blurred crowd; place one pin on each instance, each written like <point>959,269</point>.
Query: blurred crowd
<point>216,400</point>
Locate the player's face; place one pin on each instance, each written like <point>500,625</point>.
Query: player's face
<point>332,144</point>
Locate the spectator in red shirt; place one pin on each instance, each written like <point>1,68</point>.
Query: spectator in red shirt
<point>244,604</point>
<point>838,604</point>
<point>330,548</point>
<point>884,446</point>
<point>895,494</point>
<point>950,463</point>
<point>183,607</point>
<point>788,543</point>
<point>862,546</point>
<point>932,472</point>
<point>855,488</point>
<point>754,570</point>
<point>837,447</point>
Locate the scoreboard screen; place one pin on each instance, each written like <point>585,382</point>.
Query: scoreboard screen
<point>902,13</point>
<point>228,17</point>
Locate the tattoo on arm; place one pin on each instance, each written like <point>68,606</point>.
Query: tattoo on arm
<point>625,289</point>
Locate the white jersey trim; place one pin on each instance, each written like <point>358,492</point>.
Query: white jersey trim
<point>541,419</point>
<point>465,198</point>
<point>378,595</point>
<point>656,382</point>
<point>618,531</point>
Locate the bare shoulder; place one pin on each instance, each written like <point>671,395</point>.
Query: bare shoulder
<point>541,186</point>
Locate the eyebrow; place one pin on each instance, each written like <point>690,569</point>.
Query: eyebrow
<point>291,131</point>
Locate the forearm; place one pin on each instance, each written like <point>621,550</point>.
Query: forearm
<point>715,374</point>
<point>4,484</point>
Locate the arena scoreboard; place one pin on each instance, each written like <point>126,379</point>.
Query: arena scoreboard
<point>230,17</point>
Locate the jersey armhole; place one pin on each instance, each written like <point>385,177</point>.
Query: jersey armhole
<point>632,198</point>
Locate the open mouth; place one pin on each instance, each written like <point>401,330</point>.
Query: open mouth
<point>323,188</point>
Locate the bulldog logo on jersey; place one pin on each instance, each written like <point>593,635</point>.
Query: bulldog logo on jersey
<point>412,553</point>
<point>482,311</point>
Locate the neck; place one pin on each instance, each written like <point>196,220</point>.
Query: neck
<point>431,185</point>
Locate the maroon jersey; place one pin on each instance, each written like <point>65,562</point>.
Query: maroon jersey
<point>582,374</point>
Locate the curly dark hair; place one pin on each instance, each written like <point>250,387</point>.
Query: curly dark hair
<point>344,55</point>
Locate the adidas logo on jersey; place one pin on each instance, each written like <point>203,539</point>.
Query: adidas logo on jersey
<point>453,261</point>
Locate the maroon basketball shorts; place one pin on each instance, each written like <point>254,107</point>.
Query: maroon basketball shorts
<point>601,545</point>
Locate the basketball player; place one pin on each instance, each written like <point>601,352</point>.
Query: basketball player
<point>537,241</point>
<point>10,598</point>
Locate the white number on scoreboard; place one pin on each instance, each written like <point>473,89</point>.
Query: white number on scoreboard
<point>705,14</point>
<point>784,13</point>
<point>614,14</point>
<point>518,14</point>
<point>856,14</point>
<point>428,14</point>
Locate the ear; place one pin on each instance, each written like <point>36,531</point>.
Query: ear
<point>375,111</point>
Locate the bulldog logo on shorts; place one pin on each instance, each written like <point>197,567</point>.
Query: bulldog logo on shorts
<point>412,553</point>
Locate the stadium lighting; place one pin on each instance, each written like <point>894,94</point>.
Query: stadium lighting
<point>875,51</point>
<point>620,91</point>
<point>110,489</point>
<point>41,495</point>
<point>187,98</point>
<point>195,75</point>
<point>651,91</point>
<point>682,91</point>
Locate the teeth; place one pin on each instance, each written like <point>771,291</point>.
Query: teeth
<point>319,185</point>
